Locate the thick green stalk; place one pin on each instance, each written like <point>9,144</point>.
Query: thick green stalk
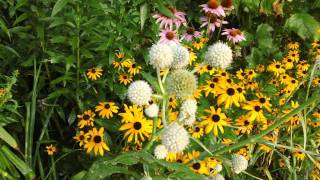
<point>276,124</point>
<point>78,54</point>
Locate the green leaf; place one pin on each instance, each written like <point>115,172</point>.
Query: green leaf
<point>4,27</point>
<point>58,6</point>
<point>143,14</point>
<point>164,10</point>
<point>20,165</point>
<point>4,135</point>
<point>59,92</point>
<point>305,25</point>
<point>10,50</point>
<point>79,175</point>
<point>152,80</point>
<point>264,36</point>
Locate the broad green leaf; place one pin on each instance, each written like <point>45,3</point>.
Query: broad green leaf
<point>58,6</point>
<point>9,49</point>
<point>264,36</point>
<point>4,27</point>
<point>79,175</point>
<point>164,10</point>
<point>143,14</point>
<point>4,135</point>
<point>21,18</point>
<point>305,25</point>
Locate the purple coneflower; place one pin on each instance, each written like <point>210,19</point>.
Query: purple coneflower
<point>212,21</point>
<point>167,22</point>
<point>213,7</point>
<point>168,36</point>
<point>234,35</point>
<point>227,5</point>
<point>190,34</point>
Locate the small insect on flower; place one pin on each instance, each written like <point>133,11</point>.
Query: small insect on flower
<point>106,109</point>
<point>94,73</point>
<point>51,150</point>
<point>234,35</point>
<point>81,138</point>
<point>96,142</point>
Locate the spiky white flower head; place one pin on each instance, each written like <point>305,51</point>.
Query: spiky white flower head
<point>152,110</point>
<point>239,163</point>
<point>139,92</point>
<point>161,56</point>
<point>218,168</point>
<point>160,152</point>
<point>188,112</point>
<point>219,55</point>
<point>180,57</point>
<point>217,177</point>
<point>175,138</point>
<point>181,83</point>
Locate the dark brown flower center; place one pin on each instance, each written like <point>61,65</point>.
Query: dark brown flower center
<point>246,122</point>
<point>107,106</point>
<point>277,66</point>
<point>262,100</point>
<point>293,81</point>
<point>231,91</point>
<point>212,85</point>
<point>190,30</point>
<point>215,80</point>
<point>97,139</point>
<point>215,118</point>
<point>227,3</point>
<point>170,35</point>
<point>239,90</point>
<point>257,108</point>
<point>197,129</point>
<point>125,77</point>
<point>133,65</point>
<point>179,161</point>
<point>93,70</point>
<point>137,125</point>
<point>86,117</point>
<point>235,32</point>
<point>213,4</point>
<point>209,67</point>
<point>81,137</point>
<point>196,166</point>
<point>212,18</point>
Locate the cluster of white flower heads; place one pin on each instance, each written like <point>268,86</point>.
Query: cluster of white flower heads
<point>188,111</point>
<point>219,55</point>
<point>217,177</point>
<point>181,83</point>
<point>161,56</point>
<point>152,110</point>
<point>175,138</point>
<point>160,152</point>
<point>139,92</point>
<point>180,57</point>
<point>239,163</point>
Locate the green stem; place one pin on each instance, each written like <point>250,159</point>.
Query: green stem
<point>160,82</point>
<point>276,124</point>
<point>201,144</point>
<point>78,54</point>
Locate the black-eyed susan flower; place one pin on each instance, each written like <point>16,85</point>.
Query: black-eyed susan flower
<point>288,63</point>
<point>125,79</point>
<point>51,150</point>
<point>196,131</point>
<point>86,119</point>
<point>228,95</point>
<point>241,75</point>
<point>316,114</point>
<point>277,68</point>
<point>255,112</point>
<point>214,121</point>
<point>316,81</point>
<point>136,127</point>
<point>244,124</point>
<point>210,88</point>
<point>131,113</point>
<point>192,57</point>
<point>299,155</point>
<point>260,68</point>
<point>94,73</point>
<point>200,167</point>
<point>197,45</point>
<point>226,141</point>
<point>250,74</point>
<point>266,148</point>
<point>293,45</point>
<point>172,102</point>
<point>133,68</point>
<point>190,156</point>
<point>106,109</point>
<point>251,85</point>
<point>315,173</point>
<point>96,142</point>
<point>81,138</point>
<point>264,101</point>
<point>294,55</point>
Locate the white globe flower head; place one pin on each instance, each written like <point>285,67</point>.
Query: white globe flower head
<point>217,177</point>
<point>160,152</point>
<point>239,163</point>
<point>219,55</point>
<point>175,138</point>
<point>161,56</point>
<point>218,168</point>
<point>188,121</point>
<point>152,110</point>
<point>189,106</point>
<point>139,92</point>
<point>180,57</point>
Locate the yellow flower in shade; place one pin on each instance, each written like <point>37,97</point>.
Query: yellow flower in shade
<point>277,68</point>
<point>125,79</point>
<point>260,68</point>
<point>241,75</point>
<point>106,109</point>
<point>120,55</point>
<point>51,150</point>
<point>245,152</point>
<point>303,65</point>
<point>171,157</point>
<point>96,142</point>
<point>192,57</point>
<point>212,165</point>
<point>214,120</point>
<point>198,45</point>
<point>86,119</point>
<point>316,114</point>
<point>172,102</point>
<point>315,173</point>
<point>315,44</point>
<point>263,101</point>
<point>136,128</point>
<point>266,148</point>
<point>294,55</point>
<point>204,40</point>
<point>228,95</point>
<point>196,131</point>
<point>226,141</point>
<point>81,138</point>
<point>255,112</point>
<point>275,82</point>
<point>281,163</point>
<point>287,62</point>
<point>116,65</point>
<point>2,92</point>
<point>315,82</point>
<point>191,156</point>
<point>200,168</point>
<point>245,125</point>
<point>298,154</point>
<point>250,74</point>
<point>133,68</point>
<point>94,73</point>
<point>251,85</point>
<point>293,45</point>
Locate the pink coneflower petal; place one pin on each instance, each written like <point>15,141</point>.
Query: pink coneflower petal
<point>214,22</point>
<point>168,36</point>
<point>234,35</point>
<point>213,7</point>
<point>167,22</point>
<point>190,34</point>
